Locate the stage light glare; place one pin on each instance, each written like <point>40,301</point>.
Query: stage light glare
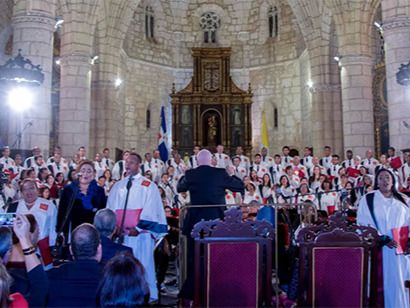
<point>378,26</point>
<point>310,84</point>
<point>58,24</point>
<point>20,99</point>
<point>117,82</point>
<point>336,58</point>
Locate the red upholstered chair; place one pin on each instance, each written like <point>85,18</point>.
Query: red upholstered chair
<point>233,261</point>
<point>335,261</point>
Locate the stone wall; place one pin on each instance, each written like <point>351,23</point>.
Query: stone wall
<point>147,86</point>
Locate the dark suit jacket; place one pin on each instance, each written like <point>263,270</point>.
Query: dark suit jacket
<point>74,284</point>
<point>206,186</point>
<point>110,249</point>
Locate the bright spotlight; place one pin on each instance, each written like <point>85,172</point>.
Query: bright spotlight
<point>58,23</point>
<point>310,84</point>
<point>58,62</point>
<point>117,82</point>
<point>378,26</point>
<point>20,99</point>
<point>336,58</point>
<point>94,59</point>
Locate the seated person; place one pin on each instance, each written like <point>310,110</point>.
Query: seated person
<point>24,267</point>
<point>104,222</point>
<point>74,284</point>
<point>123,283</point>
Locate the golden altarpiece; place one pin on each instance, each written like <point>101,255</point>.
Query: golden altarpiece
<point>211,110</point>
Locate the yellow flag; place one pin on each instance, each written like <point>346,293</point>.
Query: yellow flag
<point>264,132</point>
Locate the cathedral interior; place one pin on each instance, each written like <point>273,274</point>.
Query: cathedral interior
<point>320,73</point>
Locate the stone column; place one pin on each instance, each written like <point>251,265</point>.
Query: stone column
<point>74,128</point>
<point>357,103</point>
<point>33,34</point>
<point>326,118</point>
<point>397,45</point>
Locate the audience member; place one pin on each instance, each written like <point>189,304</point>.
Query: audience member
<point>29,278</point>
<point>123,283</point>
<point>104,222</point>
<point>74,284</point>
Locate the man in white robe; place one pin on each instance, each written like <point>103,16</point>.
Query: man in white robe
<point>45,213</point>
<point>389,212</point>
<point>145,220</point>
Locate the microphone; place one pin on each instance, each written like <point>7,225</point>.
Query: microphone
<point>79,174</point>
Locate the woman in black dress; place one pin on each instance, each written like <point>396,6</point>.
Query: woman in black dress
<point>87,198</point>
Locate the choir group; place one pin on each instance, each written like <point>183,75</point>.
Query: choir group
<point>329,182</point>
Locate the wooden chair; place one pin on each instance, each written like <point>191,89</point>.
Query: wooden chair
<point>233,262</point>
<point>335,260</point>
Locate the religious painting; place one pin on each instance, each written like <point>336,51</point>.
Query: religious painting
<point>211,128</point>
<point>236,115</point>
<point>186,136</point>
<point>185,114</point>
<point>237,136</point>
<point>211,76</point>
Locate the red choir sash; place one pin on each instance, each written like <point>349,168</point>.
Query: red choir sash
<point>401,236</point>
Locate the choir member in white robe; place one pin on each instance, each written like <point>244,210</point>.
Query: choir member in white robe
<point>266,160</point>
<point>193,160</point>
<point>370,162</point>
<point>57,165</point>
<point>334,167</point>
<point>107,162</point>
<point>240,171</point>
<point>329,200</point>
<point>326,160</point>
<point>305,195</point>
<point>6,160</point>
<point>145,220</point>
<point>391,210</point>
<point>118,171</point>
<point>98,165</point>
<point>178,164</point>
<point>276,169</point>
<point>405,170</point>
<point>45,213</point>
<point>29,161</point>
<point>222,159</point>
<point>286,159</point>
<point>245,161</point>
<point>307,158</point>
<point>348,162</point>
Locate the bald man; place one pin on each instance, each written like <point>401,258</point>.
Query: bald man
<point>206,185</point>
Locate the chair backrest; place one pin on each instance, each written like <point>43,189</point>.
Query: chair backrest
<point>233,262</point>
<point>335,260</point>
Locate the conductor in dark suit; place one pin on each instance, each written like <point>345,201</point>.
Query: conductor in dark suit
<point>206,185</point>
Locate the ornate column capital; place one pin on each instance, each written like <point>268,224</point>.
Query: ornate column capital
<point>355,60</point>
<point>35,19</point>
<point>395,23</point>
<point>77,58</point>
<point>324,87</point>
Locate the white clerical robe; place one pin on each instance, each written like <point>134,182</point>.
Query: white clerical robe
<point>146,210</point>
<point>389,213</point>
<point>45,213</point>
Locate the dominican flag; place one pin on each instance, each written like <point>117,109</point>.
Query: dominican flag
<point>162,137</point>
